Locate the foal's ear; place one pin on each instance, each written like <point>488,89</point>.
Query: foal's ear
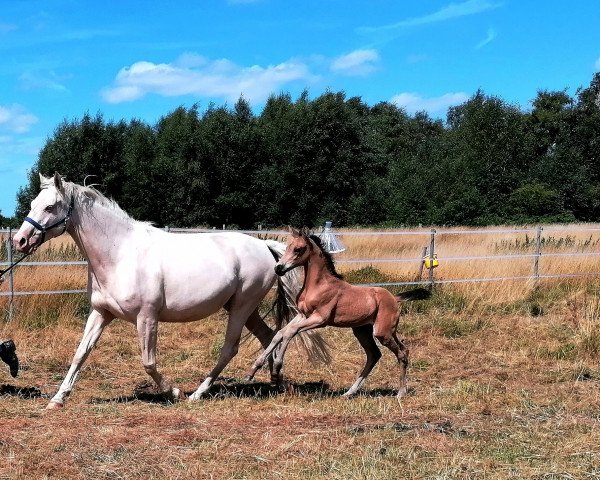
<point>293,232</point>
<point>58,181</point>
<point>305,232</point>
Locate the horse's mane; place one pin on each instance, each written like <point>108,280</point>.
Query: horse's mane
<point>328,257</point>
<point>86,197</point>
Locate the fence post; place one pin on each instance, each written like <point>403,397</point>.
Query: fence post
<point>11,285</point>
<point>421,264</point>
<point>538,253</point>
<point>431,254</point>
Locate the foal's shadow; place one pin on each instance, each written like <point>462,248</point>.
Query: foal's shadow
<point>21,392</point>
<point>230,388</point>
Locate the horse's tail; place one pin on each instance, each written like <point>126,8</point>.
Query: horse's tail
<point>288,289</point>
<point>416,294</point>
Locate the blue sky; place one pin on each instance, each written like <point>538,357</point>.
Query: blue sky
<point>141,59</point>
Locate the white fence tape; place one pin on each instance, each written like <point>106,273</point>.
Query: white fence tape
<point>434,233</point>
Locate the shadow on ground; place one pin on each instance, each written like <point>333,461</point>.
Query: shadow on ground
<point>22,392</point>
<point>231,388</point>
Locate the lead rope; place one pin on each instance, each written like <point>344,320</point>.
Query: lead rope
<point>13,265</point>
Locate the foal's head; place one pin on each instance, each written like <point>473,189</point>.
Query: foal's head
<point>301,245</point>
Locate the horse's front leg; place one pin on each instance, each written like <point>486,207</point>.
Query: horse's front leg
<point>147,328</point>
<point>96,323</point>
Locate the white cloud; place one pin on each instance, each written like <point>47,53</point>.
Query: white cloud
<point>491,35</point>
<point>14,118</point>
<point>195,75</point>
<point>416,58</point>
<point>454,10</point>
<point>43,80</point>
<point>413,102</point>
<point>7,27</point>
<point>358,62</point>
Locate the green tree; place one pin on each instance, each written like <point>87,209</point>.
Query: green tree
<point>486,158</point>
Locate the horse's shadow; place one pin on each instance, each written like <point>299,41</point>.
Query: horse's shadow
<point>230,388</point>
<point>21,392</point>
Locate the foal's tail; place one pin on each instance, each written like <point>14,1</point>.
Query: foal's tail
<point>416,294</point>
<point>288,289</point>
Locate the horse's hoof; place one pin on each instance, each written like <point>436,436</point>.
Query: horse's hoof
<point>402,392</point>
<point>54,406</point>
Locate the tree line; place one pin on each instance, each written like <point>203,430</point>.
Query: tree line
<point>304,161</point>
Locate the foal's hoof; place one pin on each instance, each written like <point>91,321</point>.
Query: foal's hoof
<point>178,394</point>
<point>402,392</point>
<point>54,405</point>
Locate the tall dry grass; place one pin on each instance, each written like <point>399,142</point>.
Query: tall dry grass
<point>503,383</point>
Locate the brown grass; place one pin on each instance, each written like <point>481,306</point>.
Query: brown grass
<point>504,384</point>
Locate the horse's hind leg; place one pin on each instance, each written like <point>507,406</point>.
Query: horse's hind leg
<point>264,334</point>
<point>388,338</point>
<point>364,335</point>
<point>238,315</point>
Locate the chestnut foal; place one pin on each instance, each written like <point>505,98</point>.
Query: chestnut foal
<point>327,300</point>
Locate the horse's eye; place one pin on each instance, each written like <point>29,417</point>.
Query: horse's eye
<point>49,208</point>
<point>299,250</point>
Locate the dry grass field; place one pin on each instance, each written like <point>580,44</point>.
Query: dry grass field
<point>504,381</point>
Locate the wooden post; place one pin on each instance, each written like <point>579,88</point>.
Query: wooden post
<point>538,253</point>
<point>11,285</point>
<point>422,264</point>
<point>431,254</point>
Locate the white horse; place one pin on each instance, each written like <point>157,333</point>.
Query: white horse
<point>145,275</point>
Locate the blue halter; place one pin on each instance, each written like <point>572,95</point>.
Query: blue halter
<point>64,221</point>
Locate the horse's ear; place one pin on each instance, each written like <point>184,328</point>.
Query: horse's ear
<point>293,232</point>
<point>305,232</point>
<point>58,181</point>
<point>44,182</point>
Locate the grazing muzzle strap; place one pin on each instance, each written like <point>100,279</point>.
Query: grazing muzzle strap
<point>43,229</point>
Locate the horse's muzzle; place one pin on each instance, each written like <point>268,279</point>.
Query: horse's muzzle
<point>23,244</point>
<point>280,269</point>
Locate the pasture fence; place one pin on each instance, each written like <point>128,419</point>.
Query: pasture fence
<point>428,259</point>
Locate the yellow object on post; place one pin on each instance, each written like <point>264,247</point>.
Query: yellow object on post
<point>431,262</point>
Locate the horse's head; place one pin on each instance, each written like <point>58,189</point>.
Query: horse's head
<point>48,218</point>
<point>299,248</point>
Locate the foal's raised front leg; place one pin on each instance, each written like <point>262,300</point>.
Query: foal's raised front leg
<point>96,323</point>
<point>300,323</point>
<point>147,328</point>
<point>260,361</point>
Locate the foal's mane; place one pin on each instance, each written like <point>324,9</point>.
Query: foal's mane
<point>329,263</point>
